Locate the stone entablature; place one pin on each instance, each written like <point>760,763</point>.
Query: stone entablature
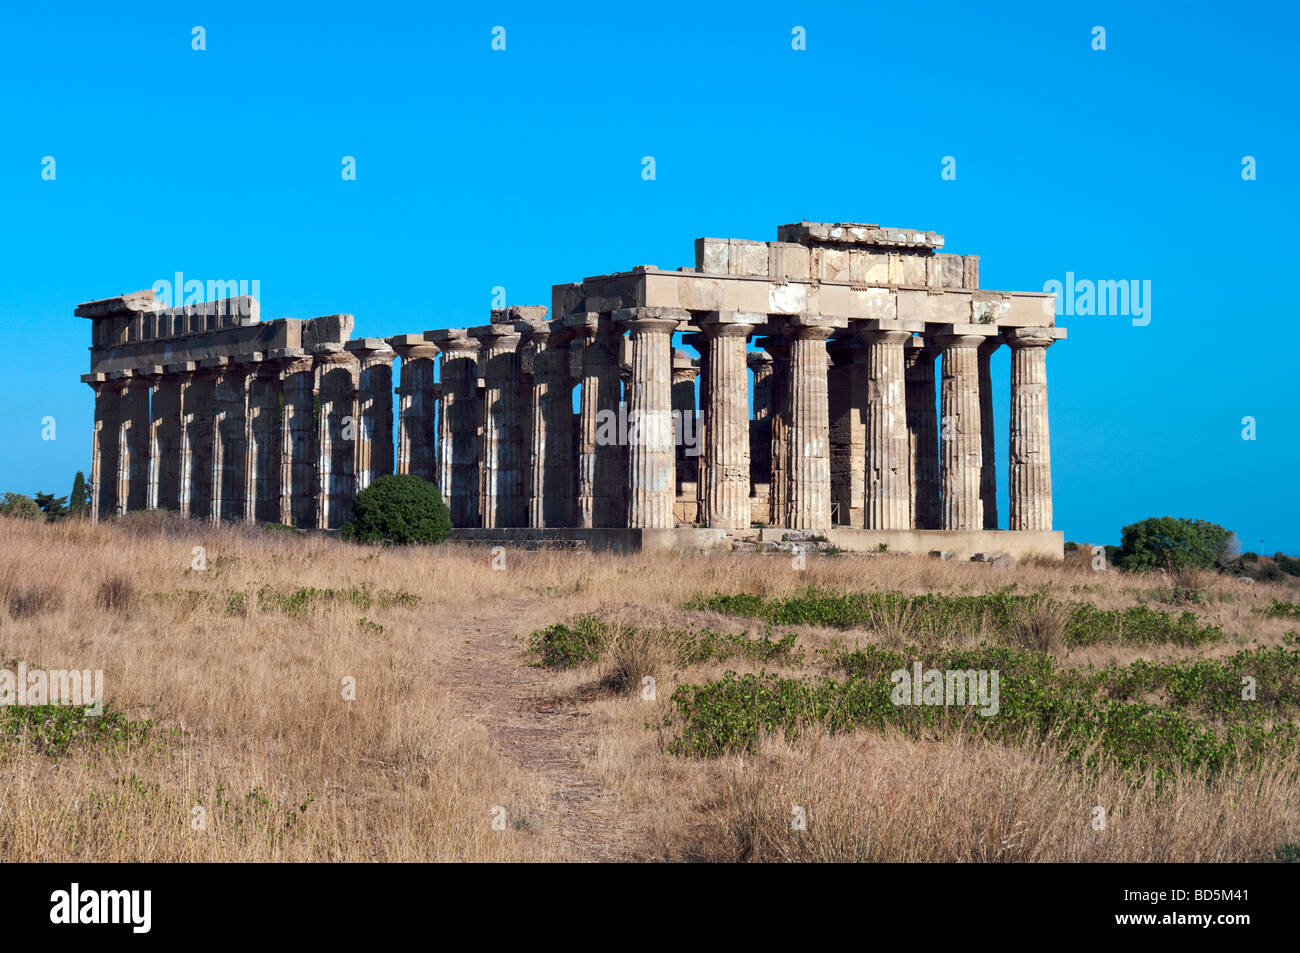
<point>864,331</point>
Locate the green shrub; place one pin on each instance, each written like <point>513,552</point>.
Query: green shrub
<point>24,507</point>
<point>399,510</point>
<point>568,646</point>
<point>1166,542</point>
<point>1288,564</point>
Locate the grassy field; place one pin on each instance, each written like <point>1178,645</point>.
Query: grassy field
<point>298,698</point>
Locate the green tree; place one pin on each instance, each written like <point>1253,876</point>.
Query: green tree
<point>24,507</point>
<point>399,509</point>
<point>79,498</point>
<point>54,507</point>
<point>1166,542</point>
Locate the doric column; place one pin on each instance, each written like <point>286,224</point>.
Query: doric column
<point>959,431</point>
<point>133,440</point>
<point>374,415</point>
<point>651,478</point>
<point>700,342</point>
<point>726,463</point>
<point>889,478</point>
<point>988,457</point>
<point>199,438</point>
<point>551,447</point>
<point>165,409</point>
<point>230,441</point>
<point>846,384</point>
<point>808,439</point>
<point>686,422</point>
<point>416,405</point>
<point>760,437</point>
<point>263,471</point>
<point>151,379</point>
<point>502,500</point>
<point>778,348</point>
<point>458,421</point>
<point>103,467</point>
<point>600,454</point>
<point>298,482</point>
<point>336,390</point>
<point>1030,471</point>
<point>923,434</point>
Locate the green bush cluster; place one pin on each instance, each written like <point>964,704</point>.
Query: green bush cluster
<point>1205,723</point>
<point>54,729</point>
<point>398,510</point>
<point>997,612</point>
<point>584,641</point>
<point>1172,543</point>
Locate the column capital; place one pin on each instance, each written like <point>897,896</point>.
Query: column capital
<point>413,347</point>
<point>920,349</point>
<point>729,323</point>
<point>452,341</point>
<point>1032,337</point>
<point>946,341</point>
<point>777,347</point>
<point>651,319</point>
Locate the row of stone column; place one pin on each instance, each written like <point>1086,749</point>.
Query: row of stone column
<point>917,470</point>
<point>287,437</point>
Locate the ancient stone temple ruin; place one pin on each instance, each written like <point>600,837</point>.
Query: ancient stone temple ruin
<point>842,389</point>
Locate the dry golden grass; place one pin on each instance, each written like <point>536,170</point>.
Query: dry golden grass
<point>449,722</point>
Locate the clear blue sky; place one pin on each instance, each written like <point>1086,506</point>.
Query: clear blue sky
<point>522,169</point>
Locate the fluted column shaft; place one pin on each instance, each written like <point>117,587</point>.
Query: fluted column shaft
<point>988,456</point>
<point>298,482</point>
<point>416,410</point>
<point>808,438</point>
<point>1030,471</point>
<point>230,443</point>
<point>779,453</point>
<point>600,454</point>
<point>889,481</point>
<point>374,414</point>
<point>651,465</point>
<point>336,435</point>
<point>503,501</point>
<point>959,434</point>
<point>726,464</point>
<point>551,448</point>
<point>458,421</point>
<point>923,435</point>
<point>264,472</point>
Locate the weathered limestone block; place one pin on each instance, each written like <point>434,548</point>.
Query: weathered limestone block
<point>336,435</point>
<point>889,478</point>
<point>651,477</point>
<point>417,406</point>
<point>923,433</point>
<point>458,424</point>
<point>1030,471</point>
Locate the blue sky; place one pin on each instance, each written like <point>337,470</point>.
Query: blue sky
<point>522,169</point>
